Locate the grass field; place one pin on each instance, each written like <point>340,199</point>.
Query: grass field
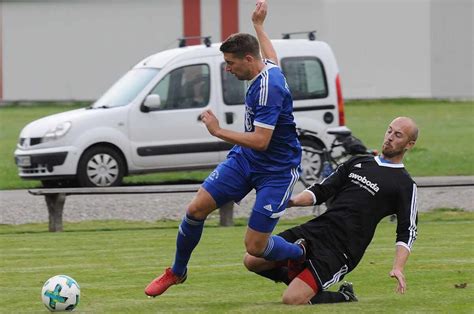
<point>444,147</point>
<point>113,261</point>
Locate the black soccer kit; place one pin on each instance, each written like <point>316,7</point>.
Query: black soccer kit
<point>365,190</point>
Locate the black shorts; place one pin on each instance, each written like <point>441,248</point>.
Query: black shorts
<point>327,264</point>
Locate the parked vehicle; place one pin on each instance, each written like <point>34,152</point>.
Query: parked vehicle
<point>319,163</point>
<point>148,121</point>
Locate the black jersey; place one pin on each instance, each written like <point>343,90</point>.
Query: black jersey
<point>365,190</point>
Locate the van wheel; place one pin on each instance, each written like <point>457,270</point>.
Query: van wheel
<point>311,161</point>
<point>100,166</point>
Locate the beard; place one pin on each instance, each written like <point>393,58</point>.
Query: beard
<point>390,152</point>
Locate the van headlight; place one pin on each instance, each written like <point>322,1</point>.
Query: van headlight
<point>58,131</point>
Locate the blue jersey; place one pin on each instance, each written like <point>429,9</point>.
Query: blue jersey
<point>268,104</point>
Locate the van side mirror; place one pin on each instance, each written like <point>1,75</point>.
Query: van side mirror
<point>152,101</point>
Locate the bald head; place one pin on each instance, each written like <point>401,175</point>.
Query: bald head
<point>400,136</point>
<point>409,125</point>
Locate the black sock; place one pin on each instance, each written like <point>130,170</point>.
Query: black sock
<point>279,274</point>
<point>328,297</point>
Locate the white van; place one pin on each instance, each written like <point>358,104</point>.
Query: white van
<point>148,121</point>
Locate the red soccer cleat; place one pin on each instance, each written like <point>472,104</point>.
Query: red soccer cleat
<point>295,267</point>
<point>162,283</point>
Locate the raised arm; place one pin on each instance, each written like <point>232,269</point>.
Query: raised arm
<point>258,17</point>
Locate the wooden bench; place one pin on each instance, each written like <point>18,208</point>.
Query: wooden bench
<point>55,199</point>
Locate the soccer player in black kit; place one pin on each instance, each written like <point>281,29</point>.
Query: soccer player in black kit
<point>365,189</point>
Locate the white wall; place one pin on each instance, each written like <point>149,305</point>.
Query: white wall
<point>452,46</point>
<point>383,47</point>
<point>210,19</point>
<point>75,49</point>
<point>64,49</point>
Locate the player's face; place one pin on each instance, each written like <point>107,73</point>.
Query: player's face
<point>397,139</point>
<point>240,67</point>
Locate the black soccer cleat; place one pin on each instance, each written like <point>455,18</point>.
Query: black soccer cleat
<point>347,290</point>
<point>302,243</point>
<point>295,267</point>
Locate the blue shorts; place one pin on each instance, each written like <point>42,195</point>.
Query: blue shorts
<point>233,179</point>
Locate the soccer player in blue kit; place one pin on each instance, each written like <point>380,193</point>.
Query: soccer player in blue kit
<point>266,157</point>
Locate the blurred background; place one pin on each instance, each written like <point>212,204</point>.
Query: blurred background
<point>57,50</point>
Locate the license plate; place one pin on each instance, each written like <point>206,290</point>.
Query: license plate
<point>23,161</point>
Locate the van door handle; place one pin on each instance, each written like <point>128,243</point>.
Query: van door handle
<point>229,117</point>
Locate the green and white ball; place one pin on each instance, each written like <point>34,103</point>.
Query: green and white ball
<point>60,293</point>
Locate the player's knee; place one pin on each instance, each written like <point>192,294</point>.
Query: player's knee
<point>201,206</point>
<point>291,298</point>
<point>195,212</point>
<point>256,242</point>
<point>198,211</point>
<point>254,248</point>
<point>250,262</point>
<point>247,261</point>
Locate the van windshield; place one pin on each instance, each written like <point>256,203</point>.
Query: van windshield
<point>126,88</point>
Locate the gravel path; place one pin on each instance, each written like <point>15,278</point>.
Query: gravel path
<point>19,207</point>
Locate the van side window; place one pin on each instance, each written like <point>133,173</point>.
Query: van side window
<point>233,89</point>
<point>305,77</point>
<point>185,87</point>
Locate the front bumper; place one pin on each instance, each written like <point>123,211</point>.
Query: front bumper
<point>47,163</point>
<point>39,164</point>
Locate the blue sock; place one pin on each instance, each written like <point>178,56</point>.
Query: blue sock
<point>279,249</point>
<point>188,237</point>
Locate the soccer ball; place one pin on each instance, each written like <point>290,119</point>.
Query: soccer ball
<point>60,293</point>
